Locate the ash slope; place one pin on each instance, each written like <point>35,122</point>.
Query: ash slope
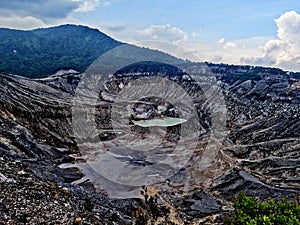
<point>36,136</point>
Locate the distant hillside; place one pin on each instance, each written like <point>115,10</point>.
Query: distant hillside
<point>148,66</point>
<point>240,73</point>
<point>42,52</point>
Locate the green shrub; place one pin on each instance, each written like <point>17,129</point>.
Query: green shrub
<point>249,211</point>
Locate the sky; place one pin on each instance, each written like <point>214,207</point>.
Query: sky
<point>256,32</point>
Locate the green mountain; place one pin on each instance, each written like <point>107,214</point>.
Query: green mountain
<point>42,52</point>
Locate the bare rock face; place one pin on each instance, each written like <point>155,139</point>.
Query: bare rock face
<point>265,128</point>
<point>40,107</point>
<point>260,155</point>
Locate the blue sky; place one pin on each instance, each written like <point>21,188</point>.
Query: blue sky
<point>231,31</point>
<point>231,19</point>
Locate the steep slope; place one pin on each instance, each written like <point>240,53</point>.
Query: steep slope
<point>265,124</point>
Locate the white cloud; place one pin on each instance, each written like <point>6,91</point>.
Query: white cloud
<point>177,50</point>
<point>87,5</point>
<point>289,27</point>
<point>167,38</point>
<point>221,41</point>
<point>226,45</point>
<point>157,33</point>
<point>229,45</point>
<point>176,42</point>
<point>284,51</point>
<point>29,22</point>
<point>231,54</point>
<point>167,33</point>
<point>23,23</point>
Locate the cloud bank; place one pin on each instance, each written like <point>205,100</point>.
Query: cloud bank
<point>284,51</point>
<point>167,33</point>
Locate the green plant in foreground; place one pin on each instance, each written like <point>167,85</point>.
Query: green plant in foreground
<point>249,211</point>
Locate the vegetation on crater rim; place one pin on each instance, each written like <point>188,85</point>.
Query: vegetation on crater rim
<point>249,211</point>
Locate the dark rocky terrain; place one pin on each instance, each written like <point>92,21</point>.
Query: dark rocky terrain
<point>258,156</point>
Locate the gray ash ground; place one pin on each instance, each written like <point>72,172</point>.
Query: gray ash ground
<point>26,198</point>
